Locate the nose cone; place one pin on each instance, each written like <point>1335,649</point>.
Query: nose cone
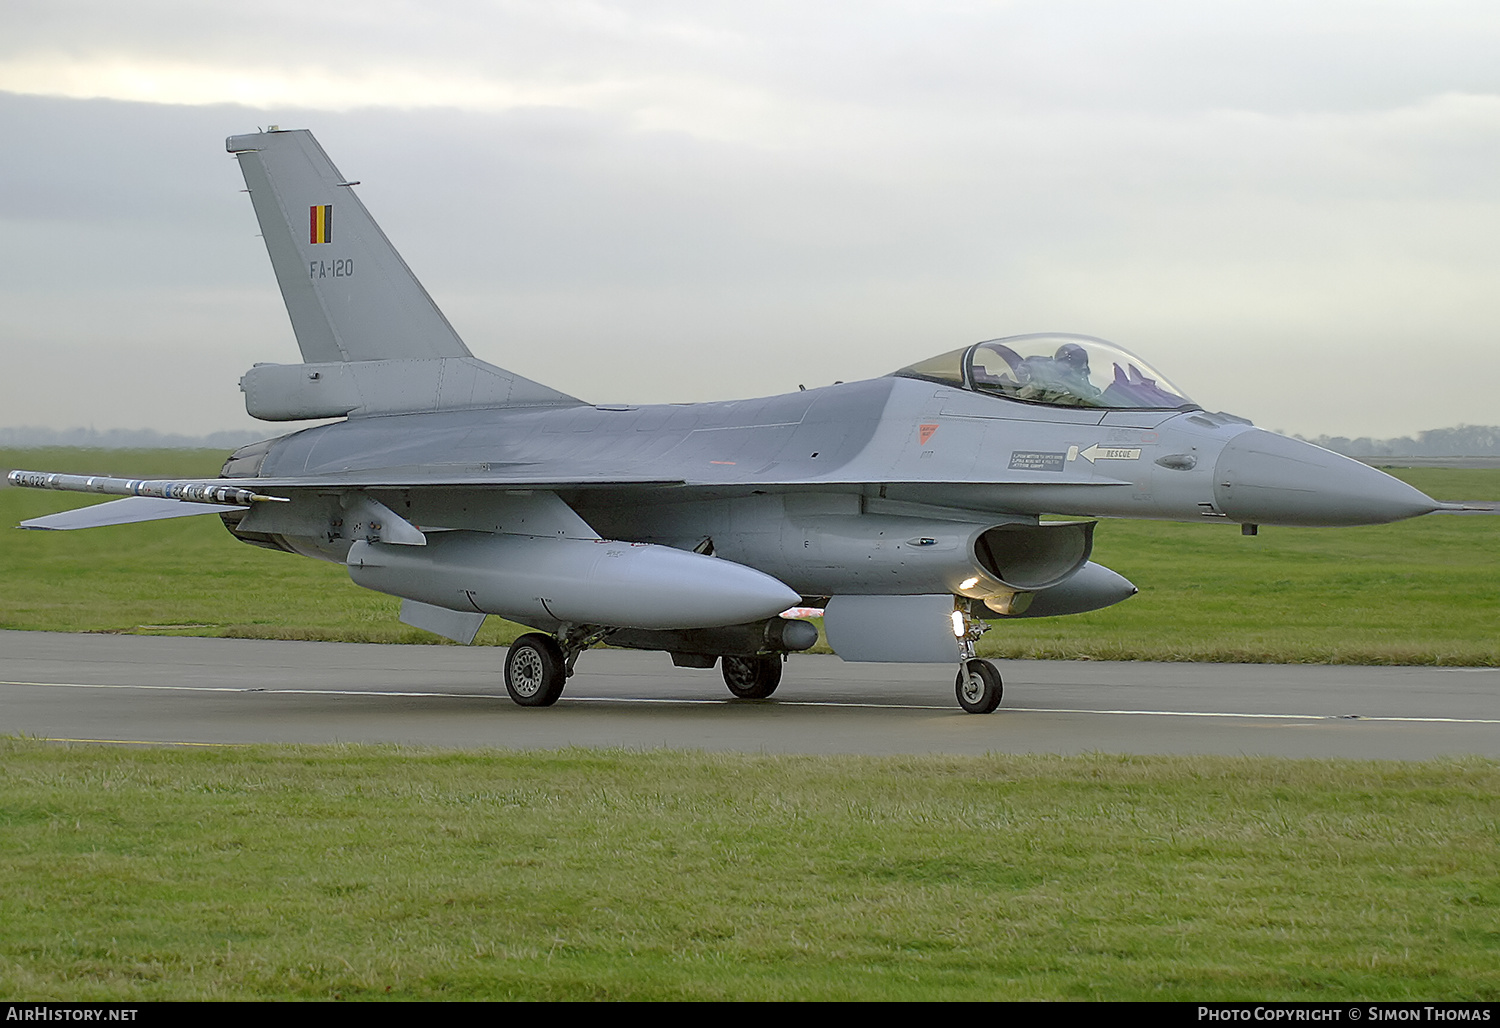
<point>1269,479</point>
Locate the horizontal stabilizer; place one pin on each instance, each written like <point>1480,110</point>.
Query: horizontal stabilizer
<point>124,512</point>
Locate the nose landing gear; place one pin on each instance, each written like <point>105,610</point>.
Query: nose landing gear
<point>978,686</point>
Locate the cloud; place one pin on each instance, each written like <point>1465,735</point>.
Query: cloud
<point>668,201</point>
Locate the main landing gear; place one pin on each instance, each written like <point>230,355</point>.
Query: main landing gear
<point>538,666</point>
<point>751,678</point>
<point>535,671</point>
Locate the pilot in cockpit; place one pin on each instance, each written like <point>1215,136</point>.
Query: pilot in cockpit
<point>1061,378</point>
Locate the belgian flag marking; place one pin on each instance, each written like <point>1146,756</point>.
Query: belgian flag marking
<point>320,223</point>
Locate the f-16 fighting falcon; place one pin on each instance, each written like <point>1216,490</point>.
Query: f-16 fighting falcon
<point>908,507</point>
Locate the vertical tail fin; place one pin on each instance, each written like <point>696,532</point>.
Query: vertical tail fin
<point>349,294</point>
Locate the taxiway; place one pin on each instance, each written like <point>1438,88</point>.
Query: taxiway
<point>187,691</point>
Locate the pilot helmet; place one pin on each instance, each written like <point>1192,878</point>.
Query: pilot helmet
<point>1074,356</point>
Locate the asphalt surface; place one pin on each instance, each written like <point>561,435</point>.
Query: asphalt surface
<point>154,690</point>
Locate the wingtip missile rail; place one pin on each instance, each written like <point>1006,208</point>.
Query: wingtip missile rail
<point>191,492</point>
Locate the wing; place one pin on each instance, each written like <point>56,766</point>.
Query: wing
<point>124,512</point>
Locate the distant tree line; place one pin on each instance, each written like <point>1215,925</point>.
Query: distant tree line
<point>126,438</point>
<point>1463,441</point>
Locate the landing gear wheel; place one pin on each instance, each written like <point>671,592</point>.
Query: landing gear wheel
<point>535,670</point>
<point>752,678</point>
<point>978,686</point>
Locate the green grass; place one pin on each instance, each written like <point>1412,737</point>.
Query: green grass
<point>362,872</point>
<point>1419,592</point>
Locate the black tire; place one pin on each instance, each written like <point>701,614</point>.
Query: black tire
<point>535,671</point>
<point>978,687</point>
<point>751,678</point>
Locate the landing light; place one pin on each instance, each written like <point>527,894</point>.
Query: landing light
<point>958,624</point>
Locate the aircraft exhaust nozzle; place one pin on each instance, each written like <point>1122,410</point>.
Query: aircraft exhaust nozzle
<point>574,581</point>
<point>1267,479</point>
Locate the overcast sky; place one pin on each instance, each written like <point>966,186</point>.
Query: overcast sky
<point>1289,208</point>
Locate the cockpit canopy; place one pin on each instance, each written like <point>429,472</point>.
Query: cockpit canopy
<point>1054,369</point>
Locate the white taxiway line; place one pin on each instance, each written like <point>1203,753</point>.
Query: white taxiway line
<point>780,703</point>
<point>255,689</point>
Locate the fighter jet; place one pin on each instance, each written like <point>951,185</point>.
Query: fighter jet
<point>909,507</point>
